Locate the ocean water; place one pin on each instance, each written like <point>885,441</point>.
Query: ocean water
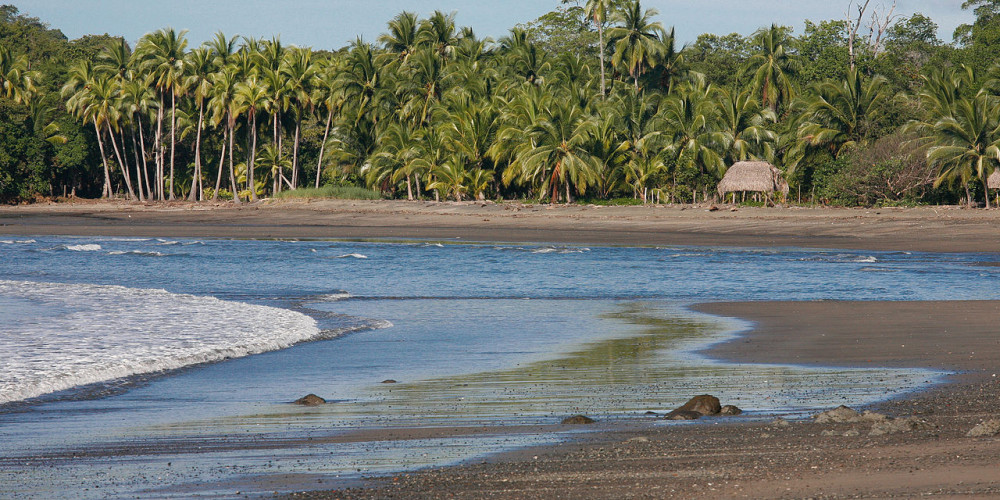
<point>166,366</point>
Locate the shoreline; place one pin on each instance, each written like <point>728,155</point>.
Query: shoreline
<point>728,457</point>
<point>931,229</point>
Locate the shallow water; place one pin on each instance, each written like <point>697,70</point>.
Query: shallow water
<point>474,334</point>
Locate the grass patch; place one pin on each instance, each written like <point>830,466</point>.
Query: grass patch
<point>333,192</point>
<point>611,202</point>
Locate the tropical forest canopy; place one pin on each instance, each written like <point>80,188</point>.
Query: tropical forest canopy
<point>591,101</point>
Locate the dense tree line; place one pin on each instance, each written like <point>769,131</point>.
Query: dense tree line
<point>592,100</point>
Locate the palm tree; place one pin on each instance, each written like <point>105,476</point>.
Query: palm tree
<point>402,36</point>
<point>225,107</point>
<point>79,96</point>
<point>201,66</point>
<point>162,55</point>
<point>138,99</point>
<point>438,33</point>
<point>773,66</point>
<point>97,102</point>
<point>330,98</point>
<point>966,146</point>
<point>744,122</point>
<point>597,11</point>
<point>251,96</point>
<point>843,114</point>
<point>16,81</point>
<point>637,40</point>
<point>451,178</point>
<point>299,71</point>
<point>691,121</point>
<point>556,152</point>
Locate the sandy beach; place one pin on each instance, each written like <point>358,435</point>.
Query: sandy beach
<point>715,458</point>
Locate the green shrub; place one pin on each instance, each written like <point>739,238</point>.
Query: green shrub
<point>334,192</point>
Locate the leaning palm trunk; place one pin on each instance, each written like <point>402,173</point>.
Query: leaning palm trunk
<point>295,154</point>
<point>232,170</point>
<point>145,168</point>
<point>253,154</point>
<point>138,165</point>
<point>159,150</point>
<point>106,190</point>
<point>121,164</point>
<point>322,146</point>
<point>222,166</point>
<point>197,158</point>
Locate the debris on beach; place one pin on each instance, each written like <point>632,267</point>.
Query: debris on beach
<point>388,381</point>
<point>310,400</point>
<point>897,425</point>
<point>578,420</point>
<point>985,429</point>
<point>702,406</point>
<point>845,415</point>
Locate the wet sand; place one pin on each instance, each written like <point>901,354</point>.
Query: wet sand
<point>729,458</point>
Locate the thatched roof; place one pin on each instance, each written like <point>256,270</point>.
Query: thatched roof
<point>993,181</point>
<point>753,176</point>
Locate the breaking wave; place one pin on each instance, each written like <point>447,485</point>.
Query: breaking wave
<point>66,335</point>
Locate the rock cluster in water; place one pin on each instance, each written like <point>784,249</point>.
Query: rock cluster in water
<point>578,419</point>
<point>310,400</point>
<point>702,406</point>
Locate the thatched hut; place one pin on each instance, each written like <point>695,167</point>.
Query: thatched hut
<point>993,181</point>
<point>753,176</point>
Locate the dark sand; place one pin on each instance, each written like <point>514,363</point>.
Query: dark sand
<point>936,229</point>
<point>724,458</point>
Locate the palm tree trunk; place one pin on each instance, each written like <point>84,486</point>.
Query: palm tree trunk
<point>106,190</point>
<point>322,146</point>
<point>160,156</point>
<point>600,52</point>
<point>197,157</point>
<point>145,168</point>
<point>569,197</point>
<point>409,188</point>
<point>554,184</point>
<point>986,193</point>
<point>295,153</point>
<point>173,137</point>
<point>138,166</point>
<point>232,170</point>
<point>222,166</point>
<point>253,154</point>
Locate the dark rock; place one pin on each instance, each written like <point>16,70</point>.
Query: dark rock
<point>310,400</point>
<point>578,419</point>
<point>683,415</point>
<point>388,381</point>
<point>729,411</point>
<point>704,404</point>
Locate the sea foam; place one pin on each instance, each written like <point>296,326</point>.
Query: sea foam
<point>68,335</point>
